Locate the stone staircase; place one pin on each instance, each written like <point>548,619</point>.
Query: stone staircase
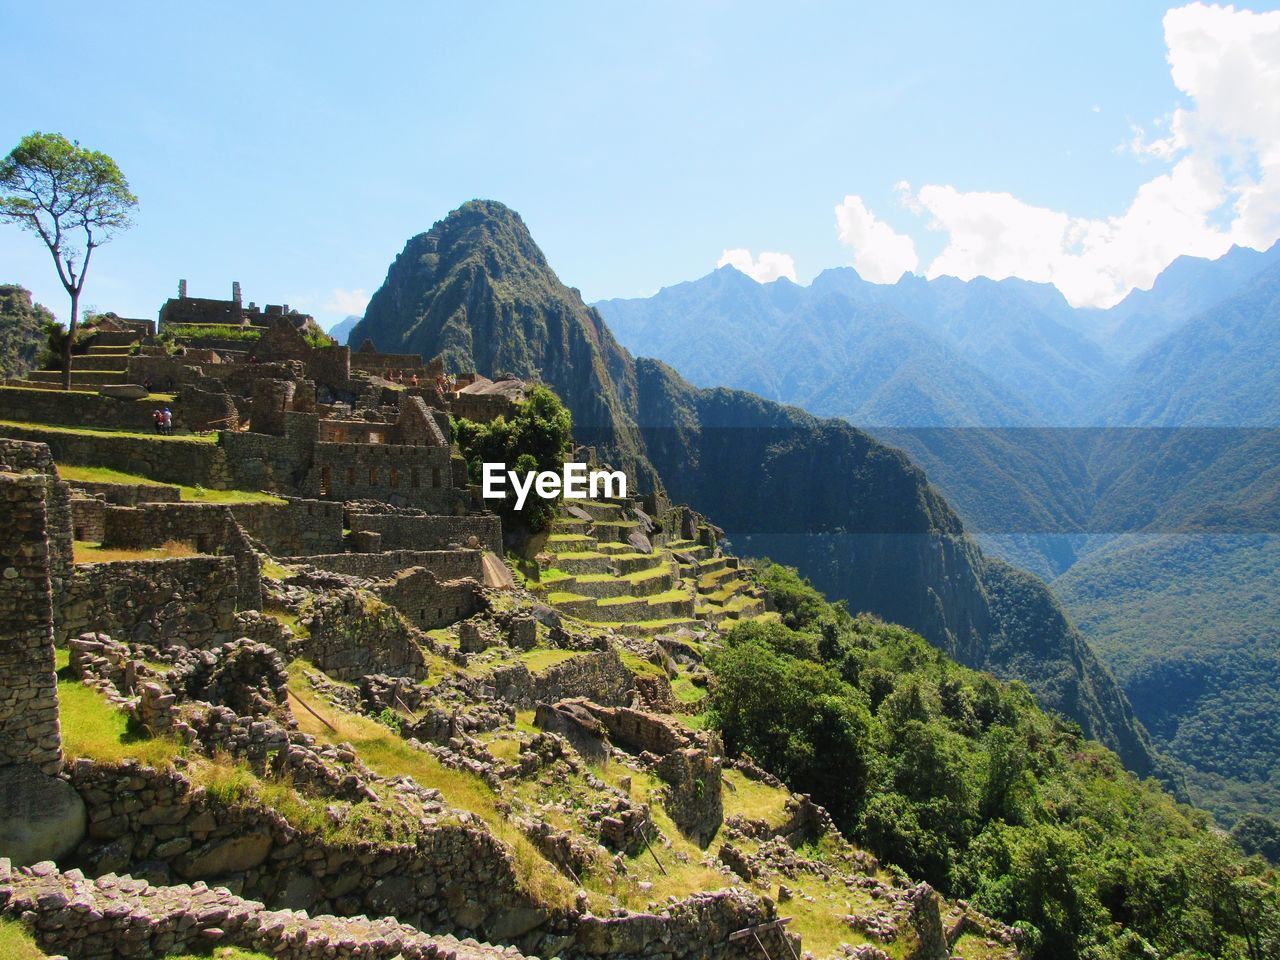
<point>597,575</point>
<point>100,365</point>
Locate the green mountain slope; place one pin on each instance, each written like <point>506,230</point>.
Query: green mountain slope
<point>22,330</point>
<point>1192,631</point>
<point>853,514</point>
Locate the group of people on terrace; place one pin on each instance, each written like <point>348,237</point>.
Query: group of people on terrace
<point>163,420</point>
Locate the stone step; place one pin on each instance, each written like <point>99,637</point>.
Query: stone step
<point>99,361</point>
<point>717,563</point>
<point>570,543</point>
<point>603,586</point>
<point>115,338</point>
<point>640,609</point>
<point>600,509</point>
<point>637,562</point>
<point>652,629</point>
<point>588,562</point>
<point>99,350</point>
<point>86,378</point>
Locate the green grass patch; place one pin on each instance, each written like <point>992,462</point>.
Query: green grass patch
<point>191,494</point>
<point>639,665</point>
<point>216,331</point>
<point>563,596</point>
<point>16,943</point>
<point>686,691</point>
<point>274,571</point>
<point>93,727</point>
<point>752,799</point>
<point>100,432</point>
<point>541,659</point>
<point>94,553</point>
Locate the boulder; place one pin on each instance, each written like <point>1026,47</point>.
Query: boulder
<point>41,817</point>
<point>124,391</point>
<point>223,857</point>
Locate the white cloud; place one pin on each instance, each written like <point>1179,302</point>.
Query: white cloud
<point>347,302</point>
<point>1221,185</point>
<point>880,253</point>
<point>768,266</point>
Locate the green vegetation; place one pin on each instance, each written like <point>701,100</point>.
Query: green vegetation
<point>964,782</point>
<point>191,494</point>
<point>1190,624</point>
<point>24,330</point>
<point>74,199</point>
<point>537,437</point>
<point>94,552</point>
<point>16,943</point>
<point>540,659</point>
<point>101,432</point>
<point>209,331</point>
<point>92,727</point>
<point>221,953</point>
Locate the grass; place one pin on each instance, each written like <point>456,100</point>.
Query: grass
<point>541,659</point>
<point>221,953</point>
<point>101,432</point>
<point>639,665</point>
<point>94,552</point>
<point>191,494</point>
<point>388,754</point>
<point>92,727</point>
<point>667,596</point>
<point>752,799</point>
<point>289,619</point>
<point>686,691</point>
<point>684,876</point>
<point>274,571</point>
<point>563,596</point>
<point>16,943</point>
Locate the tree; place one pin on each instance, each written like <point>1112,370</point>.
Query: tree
<point>74,200</point>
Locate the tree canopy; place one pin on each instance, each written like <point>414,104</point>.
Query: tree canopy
<point>74,199</point>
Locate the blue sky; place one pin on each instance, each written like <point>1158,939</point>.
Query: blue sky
<point>295,147</point>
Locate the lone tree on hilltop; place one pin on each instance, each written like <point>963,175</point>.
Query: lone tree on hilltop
<point>74,200</point>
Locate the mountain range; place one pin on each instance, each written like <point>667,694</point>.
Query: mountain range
<point>1058,434</point>
<point>854,514</point>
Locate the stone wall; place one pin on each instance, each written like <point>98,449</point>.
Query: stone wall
<point>400,474</point>
<point>285,529</point>
<point>427,601</point>
<point>455,876</point>
<point>87,518</point>
<point>188,602</point>
<point>19,456</point>
<point>168,459</point>
<point>128,494</point>
<point>413,531</point>
<point>351,634</point>
<point>445,564</point>
<point>110,917</point>
<point>599,676</point>
<point>78,409</point>
<point>29,733</point>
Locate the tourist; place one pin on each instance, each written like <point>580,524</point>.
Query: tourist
<point>157,417</point>
<point>168,422</point>
<point>415,379</point>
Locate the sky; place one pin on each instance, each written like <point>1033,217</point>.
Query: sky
<point>295,147</point>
